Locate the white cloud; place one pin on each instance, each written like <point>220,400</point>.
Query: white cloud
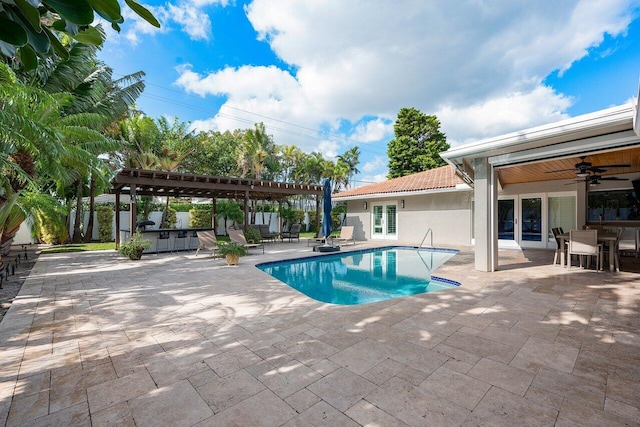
<point>479,66</point>
<point>365,59</point>
<point>511,112</point>
<point>329,149</point>
<point>192,20</point>
<point>363,180</point>
<point>372,131</point>
<point>374,164</point>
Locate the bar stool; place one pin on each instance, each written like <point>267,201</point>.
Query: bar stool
<point>162,235</point>
<point>192,237</point>
<point>180,240</point>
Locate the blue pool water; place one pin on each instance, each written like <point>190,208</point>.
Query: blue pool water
<point>364,276</point>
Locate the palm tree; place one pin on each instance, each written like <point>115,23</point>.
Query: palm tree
<point>351,159</point>
<point>38,139</point>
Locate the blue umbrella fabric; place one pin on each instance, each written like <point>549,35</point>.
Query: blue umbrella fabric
<point>326,217</point>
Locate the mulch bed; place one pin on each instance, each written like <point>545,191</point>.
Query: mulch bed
<point>17,265</point>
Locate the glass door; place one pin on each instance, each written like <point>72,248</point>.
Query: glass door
<point>377,221</point>
<point>384,221</point>
<point>507,223</point>
<point>392,229</point>
<point>531,222</point>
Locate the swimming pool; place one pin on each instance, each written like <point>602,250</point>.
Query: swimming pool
<point>364,276</point>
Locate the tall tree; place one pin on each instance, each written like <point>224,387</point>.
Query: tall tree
<point>417,144</point>
<point>351,159</point>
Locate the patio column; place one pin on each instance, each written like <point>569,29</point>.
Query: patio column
<point>485,216</point>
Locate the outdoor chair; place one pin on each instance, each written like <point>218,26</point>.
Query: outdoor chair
<point>559,249</point>
<point>585,243</point>
<point>616,248</point>
<point>293,233</point>
<point>162,236</point>
<point>207,242</point>
<point>265,233</point>
<point>237,236</point>
<point>346,235</point>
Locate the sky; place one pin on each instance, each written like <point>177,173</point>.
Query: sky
<point>332,74</point>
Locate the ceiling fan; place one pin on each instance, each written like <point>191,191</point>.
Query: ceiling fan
<point>584,169</point>
<point>595,179</point>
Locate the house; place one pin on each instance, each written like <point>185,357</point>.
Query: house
<point>510,190</point>
<point>405,208</point>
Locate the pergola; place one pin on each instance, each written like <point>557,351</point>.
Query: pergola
<point>141,182</point>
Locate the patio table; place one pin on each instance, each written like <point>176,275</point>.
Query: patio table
<point>604,237</point>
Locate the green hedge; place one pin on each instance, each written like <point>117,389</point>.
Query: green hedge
<point>105,223</point>
<point>199,218</point>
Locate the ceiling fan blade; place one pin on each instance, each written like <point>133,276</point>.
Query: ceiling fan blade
<point>611,166</point>
<point>562,170</point>
<point>611,178</point>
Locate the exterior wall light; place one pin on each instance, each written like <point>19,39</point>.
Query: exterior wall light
<point>402,203</point>
<point>365,206</point>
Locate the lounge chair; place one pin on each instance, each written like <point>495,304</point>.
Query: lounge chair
<point>237,236</point>
<point>346,235</point>
<point>207,242</point>
<point>293,233</point>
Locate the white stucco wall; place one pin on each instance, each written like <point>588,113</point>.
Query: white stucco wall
<point>447,214</point>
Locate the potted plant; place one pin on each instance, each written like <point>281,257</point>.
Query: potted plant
<point>135,246</point>
<point>232,252</point>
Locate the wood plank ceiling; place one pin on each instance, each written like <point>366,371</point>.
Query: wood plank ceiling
<point>559,169</point>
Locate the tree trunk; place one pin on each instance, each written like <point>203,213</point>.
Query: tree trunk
<point>92,195</point>
<point>77,226</point>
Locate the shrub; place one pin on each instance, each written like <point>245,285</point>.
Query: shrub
<point>105,223</point>
<point>134,247</point>
<point>199,218</point>
<point>172,217</point>
<point>231,248</point>
<point>252,235</point>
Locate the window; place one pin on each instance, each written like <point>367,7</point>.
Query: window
<point>613,205</point>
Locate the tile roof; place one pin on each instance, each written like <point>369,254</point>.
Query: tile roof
<point>443,177</point>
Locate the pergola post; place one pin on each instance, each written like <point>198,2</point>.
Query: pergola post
<point>246,209</point>
<point>213,214</point>
<point>132,210</point>
<point>279,217</point>
<point>317,215</point>
<point>117,220</point>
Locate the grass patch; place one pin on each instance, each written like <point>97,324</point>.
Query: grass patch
<point>80,247</point>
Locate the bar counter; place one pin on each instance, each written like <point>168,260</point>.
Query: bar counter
<point>188,243</point>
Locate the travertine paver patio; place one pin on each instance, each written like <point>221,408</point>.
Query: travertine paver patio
<point>94,339</point>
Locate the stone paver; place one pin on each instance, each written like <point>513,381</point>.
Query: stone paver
<point>174,339</point>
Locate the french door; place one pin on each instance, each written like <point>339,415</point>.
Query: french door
<point>521,221</point>
<point>384,221</point>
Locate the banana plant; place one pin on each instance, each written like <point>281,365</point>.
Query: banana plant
<point>32,30</point>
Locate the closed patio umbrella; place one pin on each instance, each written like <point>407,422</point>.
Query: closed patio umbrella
<point>326,217</point>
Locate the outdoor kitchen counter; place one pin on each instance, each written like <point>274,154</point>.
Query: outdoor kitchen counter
<point>191,242</point>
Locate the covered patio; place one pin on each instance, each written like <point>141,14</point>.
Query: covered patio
<point>543,162</point>
<point>177,340</point>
